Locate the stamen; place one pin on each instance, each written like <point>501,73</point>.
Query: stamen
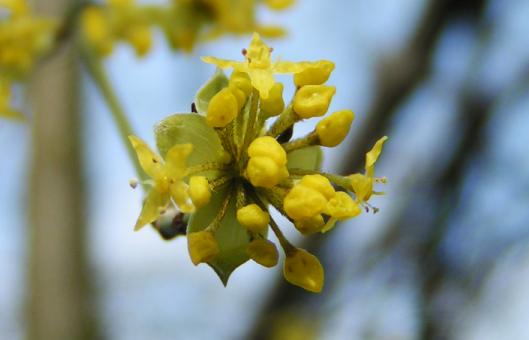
<point>194,108</point>
<point>244,52</point>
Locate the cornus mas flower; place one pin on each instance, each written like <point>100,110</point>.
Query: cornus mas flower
<point>23,38</point>
<point>227,170</point>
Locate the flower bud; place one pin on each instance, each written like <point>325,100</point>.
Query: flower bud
<point>310,225</point>
<point>304,270</point>
<point>239,95</point>
<point>264,172</point>
<point>222,108</point>
<point>242,81</point>
<point>267,146</point>
<point>97,30</point>
<point>263,252</point>
<point>253,218</point>
<point>316,74</point>
<point>274,104</point>
<point>319,183</point>
<point>140,38</point>
<point>303,202</point>
<point>202,246</point>
<point>333,129</point>
<point>199,191</point>
<point>267,164</point>
<point>313,100</point>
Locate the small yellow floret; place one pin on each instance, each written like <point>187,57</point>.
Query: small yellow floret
<point>264,172</point>
<point>304,270</point>
<point>97,30</point>
<point>222,108</point>
<point>310,225</point>
<point>317,74</point>
<point>303,203</point>
<point>333,129</point>
<point>342,207</point>
<point>268,147</point>
<point>253,218</point>
<point>362,186</point>
<point>267,164</point>
<point>199,191</point>
<point>274,104</point>
<point>263,252</point>
<point>320,184</point>
<point>239,95</point>
<point>202,246</point>
<point>313,100</point>
<point>140,37</point>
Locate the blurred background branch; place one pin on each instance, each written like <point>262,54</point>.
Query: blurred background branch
<point>60,304</point>
<point>397,78</point>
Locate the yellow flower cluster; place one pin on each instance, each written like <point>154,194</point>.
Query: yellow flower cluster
<point>24,37</point>
<point>184,22</point>
<point>240,168</point>
<point>119,20</point>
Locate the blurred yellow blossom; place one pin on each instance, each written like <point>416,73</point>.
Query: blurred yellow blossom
<point>23,38</point>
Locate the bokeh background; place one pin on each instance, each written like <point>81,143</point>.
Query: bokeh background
<point>447,255</point>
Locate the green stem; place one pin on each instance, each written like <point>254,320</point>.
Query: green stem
<point>96,70</point>
<point>283,122</point>
<point>309,140</point>
<point>341,181</point>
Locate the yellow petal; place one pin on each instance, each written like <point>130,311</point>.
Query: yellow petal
<point>202,246</point>
<point>150,162</point>
<point>224,63</point>
<point>263,252</point>
<point>154,204</point>
<point>304,270</point>
<point>362,186</point>
<point>372,156</point>
<point>180,195</point>
<point>262,80</point>
<point>176,160</point>
<point>291,67</point>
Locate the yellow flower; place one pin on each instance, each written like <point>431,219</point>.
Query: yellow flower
<point>263,252</point>
<point>362,184</point>
<point>267,164</point>
<point>313,100</point>
<point>253,218</point>
<point>202,246</point>
<point>121,20</point>
<point>23,38</point>
<point>304,270</point>
<point>167,178</point>
<point>259,66</point>
<point>199,191</point>
<point>333,129</point>
<point>241,166</point>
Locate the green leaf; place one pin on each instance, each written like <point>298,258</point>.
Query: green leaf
<point>308,158</point>
<point>216,83</point>
<point>190,128</point>
<point>231,236</point>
